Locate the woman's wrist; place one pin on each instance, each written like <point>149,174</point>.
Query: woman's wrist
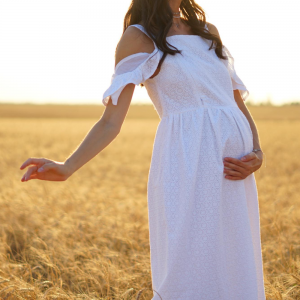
<point>70,169</point>
<point>258,151</point>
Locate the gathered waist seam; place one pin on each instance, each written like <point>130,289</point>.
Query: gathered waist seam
<point>164,115</point>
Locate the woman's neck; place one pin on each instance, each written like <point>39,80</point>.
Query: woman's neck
<point>175,5</point>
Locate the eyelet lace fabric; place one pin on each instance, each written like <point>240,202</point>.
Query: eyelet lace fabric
<point>237,83</point>
<point>205,241</point>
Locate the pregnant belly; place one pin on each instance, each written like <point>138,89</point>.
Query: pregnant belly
<point>237,137</point>
<point>200,137</point>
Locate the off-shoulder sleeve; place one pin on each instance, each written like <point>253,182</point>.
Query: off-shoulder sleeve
<point>136,69</point>
<point>237,83</point>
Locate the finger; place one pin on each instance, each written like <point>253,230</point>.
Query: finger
<point>235,161</point>
<point>235,170</point>
<point>233,177</point>
<point>243,171</point>
<point>249,156</point>
<point>233,167</point>
<point>34,175</point>
<point>232,173</point>
<point>29,172</point>
<point>33,161</point>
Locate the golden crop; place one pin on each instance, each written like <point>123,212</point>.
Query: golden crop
<point>87,237</point>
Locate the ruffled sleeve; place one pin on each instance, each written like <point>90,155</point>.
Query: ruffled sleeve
<point>136,69</point>
<point>237,83</point>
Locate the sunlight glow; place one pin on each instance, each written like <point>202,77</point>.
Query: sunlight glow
<point>62,51</point>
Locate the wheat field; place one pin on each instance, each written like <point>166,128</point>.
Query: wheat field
<point>87,237</point>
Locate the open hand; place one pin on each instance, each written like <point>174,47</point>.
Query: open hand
<point>44,169</point>
<point>237,169</point>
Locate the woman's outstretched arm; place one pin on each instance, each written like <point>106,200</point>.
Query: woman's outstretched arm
<point>100,136</point>
<point>103,132</point>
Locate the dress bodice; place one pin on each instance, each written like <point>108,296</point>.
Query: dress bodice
<point>196,77</point>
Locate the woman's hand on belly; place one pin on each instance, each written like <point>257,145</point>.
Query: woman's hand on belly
<point>238,169</point>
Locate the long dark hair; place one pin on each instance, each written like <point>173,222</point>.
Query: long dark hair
<point>156,17</point>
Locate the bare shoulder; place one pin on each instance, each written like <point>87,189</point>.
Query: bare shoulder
<point>133,41</point>
<point>213,29</point>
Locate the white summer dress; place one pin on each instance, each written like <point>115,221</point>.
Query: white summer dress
<point>204,229</point>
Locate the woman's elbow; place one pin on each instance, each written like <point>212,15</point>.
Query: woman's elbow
<point>115,114</point>
<point>111,126</point>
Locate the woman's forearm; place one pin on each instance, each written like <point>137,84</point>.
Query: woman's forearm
<point>241,104</point>
<point>256,142</point>
<point>103,132</point>
<point>100,136</point>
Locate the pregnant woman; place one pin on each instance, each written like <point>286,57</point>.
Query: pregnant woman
<point>202,195</point>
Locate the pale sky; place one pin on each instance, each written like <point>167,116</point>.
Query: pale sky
<point>62,51</point>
